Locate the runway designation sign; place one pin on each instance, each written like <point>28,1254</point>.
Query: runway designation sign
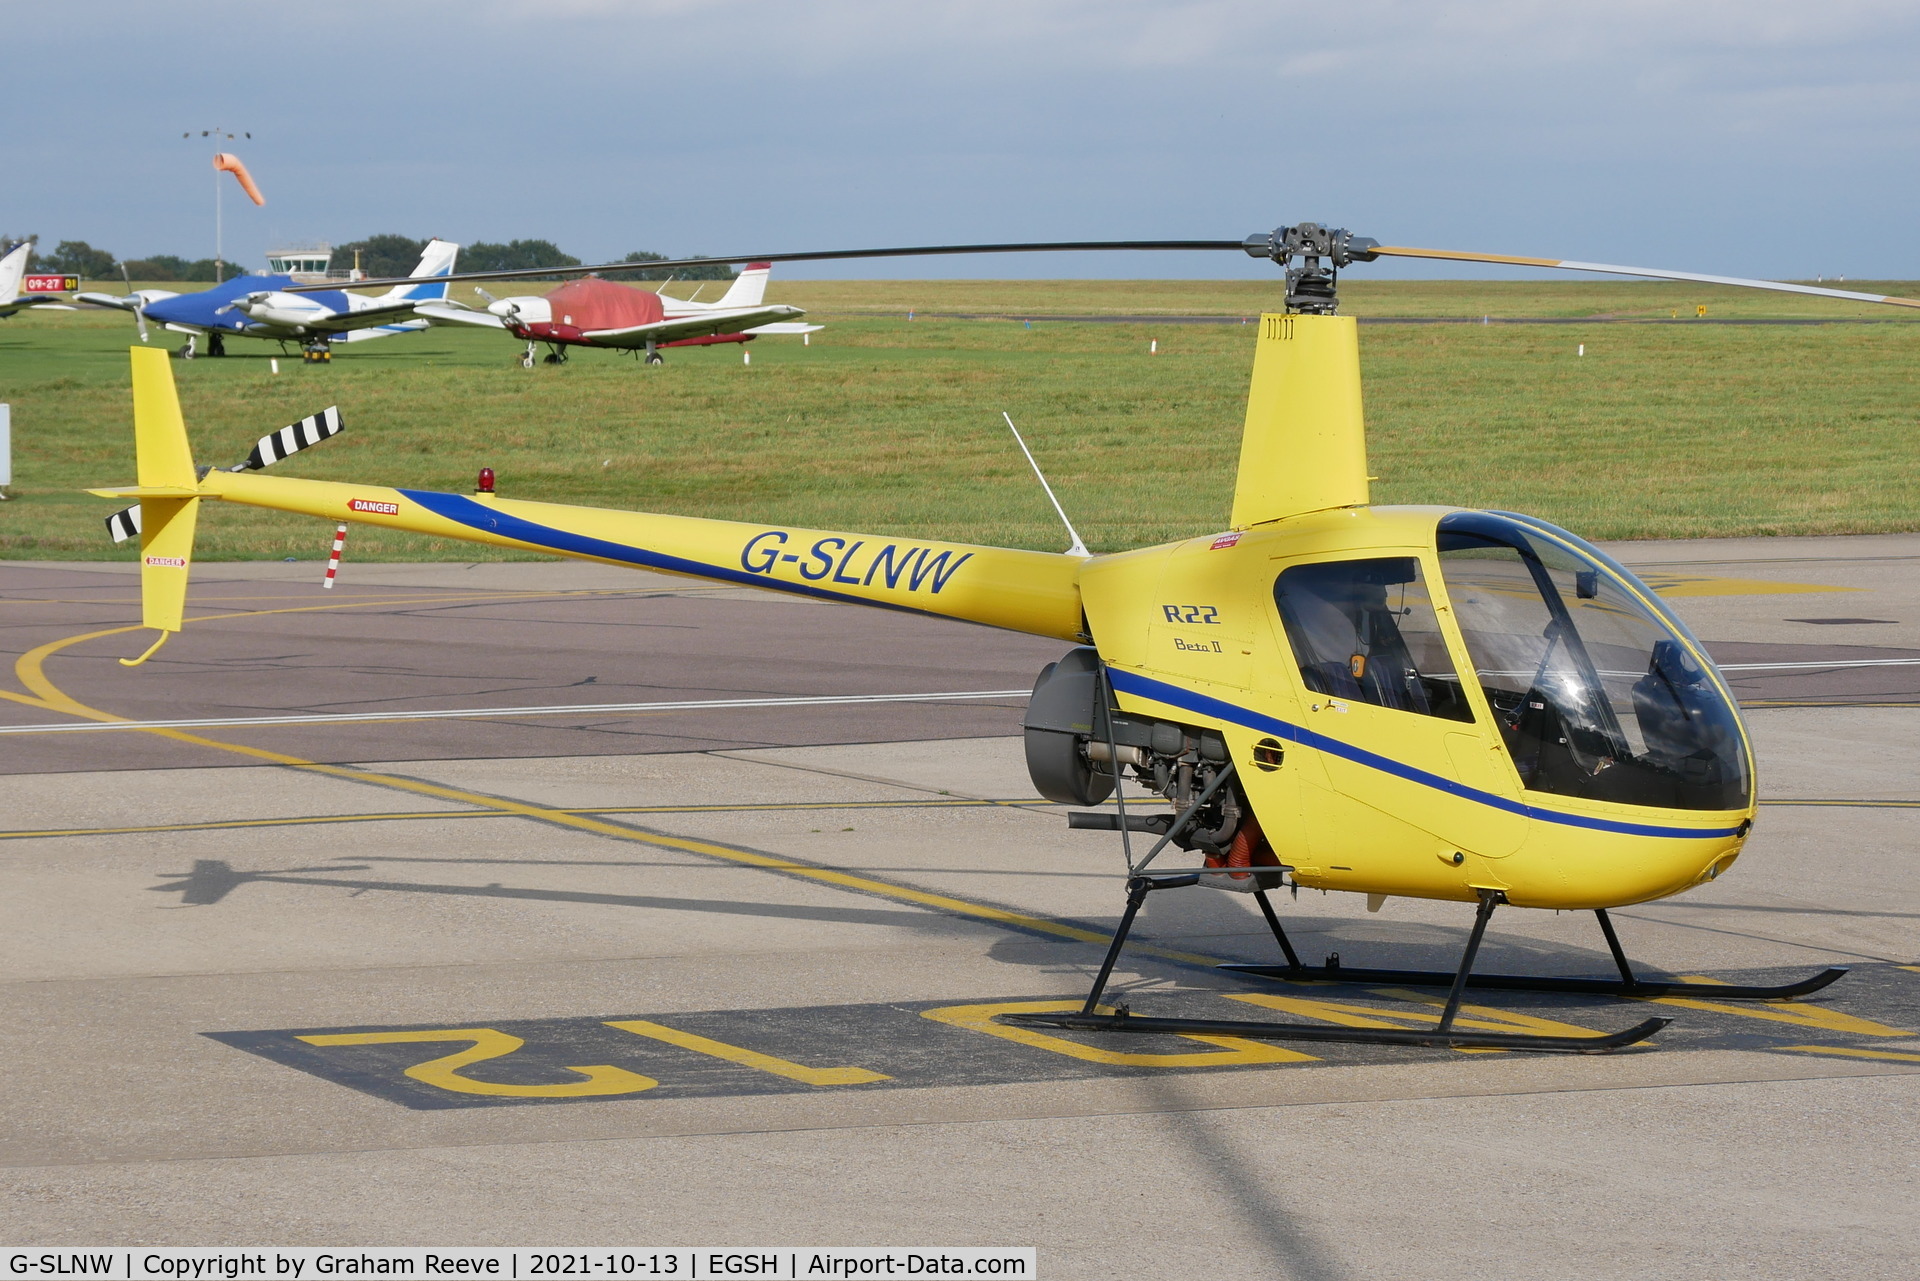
<point>50,284</point>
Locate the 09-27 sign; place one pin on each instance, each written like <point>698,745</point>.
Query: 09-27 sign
<point>51,284</point>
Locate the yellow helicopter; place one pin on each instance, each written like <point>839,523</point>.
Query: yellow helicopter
<point>1428,702</point>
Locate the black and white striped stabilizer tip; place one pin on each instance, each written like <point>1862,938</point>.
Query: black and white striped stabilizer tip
<point>291,440</point>
<point>123,525</point>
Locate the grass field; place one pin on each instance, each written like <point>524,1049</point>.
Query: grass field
<point>893,427</point>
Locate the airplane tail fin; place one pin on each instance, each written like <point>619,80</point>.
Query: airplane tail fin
<point>749,288</point>
<point>168,493</point>
<point>435,260</point>
<point>13,267</point>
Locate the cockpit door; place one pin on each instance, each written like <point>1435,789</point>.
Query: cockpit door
<point>1411,773</point>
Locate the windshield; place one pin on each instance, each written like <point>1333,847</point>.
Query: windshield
<point>1595,695</point>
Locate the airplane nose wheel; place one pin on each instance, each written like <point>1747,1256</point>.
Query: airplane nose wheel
<point>526,357</point>
<point>187,349</point>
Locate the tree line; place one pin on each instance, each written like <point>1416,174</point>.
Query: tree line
<point>384,255</point>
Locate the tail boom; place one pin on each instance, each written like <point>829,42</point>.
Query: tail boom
<point>1024,591</point>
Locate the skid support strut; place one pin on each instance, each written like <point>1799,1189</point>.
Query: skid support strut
<point>1442,1034</point>
<point>1628,984</point>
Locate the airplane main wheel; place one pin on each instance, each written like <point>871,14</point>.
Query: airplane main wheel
<point>552,358</point>
<point>655,358</point>
<point>216,345</point>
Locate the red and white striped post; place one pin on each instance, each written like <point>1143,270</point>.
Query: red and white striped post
<point>333,561</point>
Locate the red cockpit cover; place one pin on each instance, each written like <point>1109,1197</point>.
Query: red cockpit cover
<point>592,303</point>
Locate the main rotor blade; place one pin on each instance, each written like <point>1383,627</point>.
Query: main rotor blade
<point>1651,273</point>
<point>915,251</point>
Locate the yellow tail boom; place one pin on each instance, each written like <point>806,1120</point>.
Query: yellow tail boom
<point>1025,591</point>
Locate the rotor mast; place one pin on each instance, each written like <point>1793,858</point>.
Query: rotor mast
<point>1312,256</point>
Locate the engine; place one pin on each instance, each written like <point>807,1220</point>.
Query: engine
<point>1078,745</point>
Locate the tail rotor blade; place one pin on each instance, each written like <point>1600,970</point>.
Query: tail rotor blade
<point>292,439</point>
<point>124,524</point>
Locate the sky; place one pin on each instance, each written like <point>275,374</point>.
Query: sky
<point>1772,138</point>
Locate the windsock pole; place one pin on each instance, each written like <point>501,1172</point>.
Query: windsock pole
<point>333,561</point>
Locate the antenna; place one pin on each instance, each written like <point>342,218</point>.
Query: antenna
<point>1079,548</point>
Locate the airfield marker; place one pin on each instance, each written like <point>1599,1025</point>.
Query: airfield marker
<point>1153,347</point>
<point>1583,349</point>
<point>746,357</point>
<point>276,365</point>
<point>333,561</point>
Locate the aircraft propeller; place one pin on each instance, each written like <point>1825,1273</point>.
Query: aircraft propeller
<point>139,309</point>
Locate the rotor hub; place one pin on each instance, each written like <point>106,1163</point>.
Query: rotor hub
<point>1312,256</point>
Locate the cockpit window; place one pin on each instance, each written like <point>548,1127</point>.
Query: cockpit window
<point>1595,695</point>
<point>1365,630</point>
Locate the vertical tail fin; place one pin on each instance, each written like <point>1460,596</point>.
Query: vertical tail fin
<point>749,288</point>
<point>435,260</point>
<point>1305,446</point>
<point>13,266</point>
<point>169,503</point>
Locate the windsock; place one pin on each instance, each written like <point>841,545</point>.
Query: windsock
<point>231,163</point>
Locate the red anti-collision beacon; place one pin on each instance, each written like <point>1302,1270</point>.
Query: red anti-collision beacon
<point>485,483</point>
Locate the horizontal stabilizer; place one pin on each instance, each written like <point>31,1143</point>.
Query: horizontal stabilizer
<point>146,491</point>
<point>291,440</point>
<point>123,525</point>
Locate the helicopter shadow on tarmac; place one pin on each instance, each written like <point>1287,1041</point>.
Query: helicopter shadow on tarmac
<point>940,1043</point>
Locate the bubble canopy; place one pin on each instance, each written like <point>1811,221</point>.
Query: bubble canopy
<point>1595,693</point>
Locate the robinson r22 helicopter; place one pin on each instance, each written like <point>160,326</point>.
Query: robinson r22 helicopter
<point>1433,702</point>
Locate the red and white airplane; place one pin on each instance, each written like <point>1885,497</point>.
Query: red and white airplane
<point>592,312</point>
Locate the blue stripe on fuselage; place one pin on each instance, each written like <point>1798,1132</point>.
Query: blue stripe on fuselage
<point>1177,696</point>
<point>465,511</point>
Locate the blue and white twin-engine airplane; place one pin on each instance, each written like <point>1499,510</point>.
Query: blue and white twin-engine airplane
<point>258,307</point>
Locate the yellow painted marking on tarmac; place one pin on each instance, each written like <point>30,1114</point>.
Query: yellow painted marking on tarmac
<point>488,1043</point>
<point>1849,1052</point>
<point>1483,1017</point>
<point>1701,585</point>
<point>1797,1013</point>
<point>215,825</point>
<point>30,670</point>
<point>1234,1049</point>
<point>1914,968</point>
<point>202,599</point>
<point>749,1058</point>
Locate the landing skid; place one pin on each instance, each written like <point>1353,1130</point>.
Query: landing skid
<point>1442,1037</point>
<point>1443,1033</point>
<point>1628,984</point>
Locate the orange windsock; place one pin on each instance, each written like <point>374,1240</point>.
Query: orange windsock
<point>231,164</point>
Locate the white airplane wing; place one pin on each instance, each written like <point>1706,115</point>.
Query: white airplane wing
<point>702,325</point>
<point>786,327</point>
<point>440,313</point>
<point>385,313</point>
<point>33,300</point>
<point>125,302</point>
